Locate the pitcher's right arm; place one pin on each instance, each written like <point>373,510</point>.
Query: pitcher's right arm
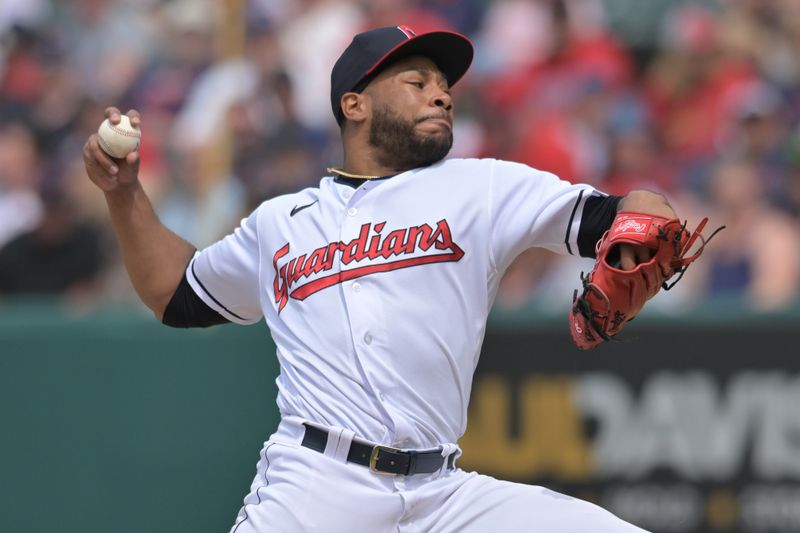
<point>154,256</point>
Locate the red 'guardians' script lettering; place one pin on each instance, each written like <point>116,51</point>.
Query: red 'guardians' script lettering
<point>371,245</point>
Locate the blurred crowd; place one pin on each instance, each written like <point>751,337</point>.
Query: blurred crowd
<point>699,100</point>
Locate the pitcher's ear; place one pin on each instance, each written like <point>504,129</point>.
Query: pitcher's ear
<point>355,106</point>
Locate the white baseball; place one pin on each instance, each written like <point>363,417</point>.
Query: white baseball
<point>118,140</point>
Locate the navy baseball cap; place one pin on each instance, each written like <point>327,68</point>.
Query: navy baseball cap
<point>374,49</point>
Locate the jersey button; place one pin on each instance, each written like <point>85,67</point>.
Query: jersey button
<point>352,211</point>
<point>356,287</point>
<point>367,338</point>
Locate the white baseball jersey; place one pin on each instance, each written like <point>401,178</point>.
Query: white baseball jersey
<point>377,296</point>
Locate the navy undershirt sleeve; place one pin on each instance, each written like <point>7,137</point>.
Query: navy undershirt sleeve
<point>598,215</point>
<point>187,310</point>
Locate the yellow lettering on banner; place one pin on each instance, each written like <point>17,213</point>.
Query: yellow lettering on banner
<point>550,442</point>
<point>722,508</point>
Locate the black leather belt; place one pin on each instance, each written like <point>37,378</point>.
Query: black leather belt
<point>382,459</point>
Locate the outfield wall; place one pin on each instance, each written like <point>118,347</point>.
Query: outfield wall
<point>115,424</point>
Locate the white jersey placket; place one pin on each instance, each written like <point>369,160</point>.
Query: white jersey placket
<point>367,328</point>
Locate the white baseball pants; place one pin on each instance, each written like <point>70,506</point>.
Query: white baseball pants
<point>300,490</point>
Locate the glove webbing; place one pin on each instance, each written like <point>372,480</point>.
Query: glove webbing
<point>581,305</point>
<point>682,263</point>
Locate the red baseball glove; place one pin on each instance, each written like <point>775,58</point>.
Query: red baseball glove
<point>612,296</point>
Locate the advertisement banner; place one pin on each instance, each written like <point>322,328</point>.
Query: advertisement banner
<point>674,429</point>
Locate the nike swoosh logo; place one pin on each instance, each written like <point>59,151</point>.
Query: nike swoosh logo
<point>297,209</point>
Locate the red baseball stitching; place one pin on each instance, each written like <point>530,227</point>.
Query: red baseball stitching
<point>126,133</point>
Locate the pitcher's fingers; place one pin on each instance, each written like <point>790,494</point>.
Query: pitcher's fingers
<point>113,114</point>
<point>627,257</point>
<point>132,158</point>
<point>643,254</point>
<point>97,173</point>
<point>102,159</point>
<point>136,118</point>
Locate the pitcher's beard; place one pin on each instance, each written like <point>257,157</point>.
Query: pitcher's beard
<point>400,146</point>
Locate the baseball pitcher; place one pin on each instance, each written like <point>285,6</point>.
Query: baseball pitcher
<point>376,286</point>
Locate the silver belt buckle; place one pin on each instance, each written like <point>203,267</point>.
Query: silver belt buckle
<point>373,459</point>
